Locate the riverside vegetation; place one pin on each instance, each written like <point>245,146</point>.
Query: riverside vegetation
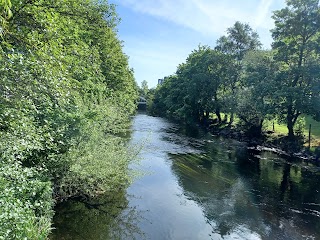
<point>237,80</point>
<point>66,95</point>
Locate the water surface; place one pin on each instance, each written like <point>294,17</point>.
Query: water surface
<point>198,186</point>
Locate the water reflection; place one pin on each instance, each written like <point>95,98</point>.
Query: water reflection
<point>249,196</point>
<point>290,193</point>
<point>104,218</point>
<point>202,187</point>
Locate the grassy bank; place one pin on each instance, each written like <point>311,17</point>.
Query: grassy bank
<point>274,130</point>
<point>302,126</point>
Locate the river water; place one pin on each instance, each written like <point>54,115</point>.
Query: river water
<point>199,186</point>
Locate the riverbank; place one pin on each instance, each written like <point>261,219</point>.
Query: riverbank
<point>278,144</point>
<point>271,141</point>
<point>199,186</point>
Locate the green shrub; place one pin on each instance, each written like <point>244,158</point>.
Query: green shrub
<point>99,161</point>
<point>66,92</point>
<point>25,203</point>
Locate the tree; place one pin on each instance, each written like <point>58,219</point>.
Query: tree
<point>296,45</point>
<point>239,40</point>
<point>144,88</point>
<point>66,93</point>
<point>199,82</point>
<point>255,97</point>
<point>206,71</point>
<point>5,15</point>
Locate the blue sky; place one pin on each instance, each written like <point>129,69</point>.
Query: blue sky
<point>158,35</point>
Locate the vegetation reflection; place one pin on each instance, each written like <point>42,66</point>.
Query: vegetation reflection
<point>107,217</point>
<point>244,191</point>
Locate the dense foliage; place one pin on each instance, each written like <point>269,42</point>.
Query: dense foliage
<point>296,44</point>
<point>237,77</point>
<point>66,93</point>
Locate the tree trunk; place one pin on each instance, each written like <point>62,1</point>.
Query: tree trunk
<point>290,122</point>
<point>255,131</point>
<point>231,118</point>
<point>205,118</point>
<point>200,115</point>
<point>225,118</point>
<point>260,128</point>
<point>207,114</point>
<point>217,110</point>
<point>285,183</point>
<point>292,117</point>
<point>218,115</point>
<point>290,129</point>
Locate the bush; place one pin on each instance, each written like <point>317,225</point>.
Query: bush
<point>66,92</point>
<point>99,161</point>
<point>25,203</point>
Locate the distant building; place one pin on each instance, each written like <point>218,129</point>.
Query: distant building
<point>160,81</point>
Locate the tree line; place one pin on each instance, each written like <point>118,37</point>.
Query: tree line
<point>66,95</point>
<point>237,77</point>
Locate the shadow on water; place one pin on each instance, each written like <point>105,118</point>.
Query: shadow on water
<point>201,187</point>
<point>245,193</point>
<point>103,218</point>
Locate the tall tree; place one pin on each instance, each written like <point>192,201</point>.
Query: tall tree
<point>296,44</point>
<point>255,100</point>
<point>144,89</point>
<point>203,74</point>
<point>199,84</point>
<point>169,99</point>
<point>240,39</point>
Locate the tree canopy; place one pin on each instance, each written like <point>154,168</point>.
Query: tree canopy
<point>237,77</point>
<point>296,46</point>
<point>66,94</point>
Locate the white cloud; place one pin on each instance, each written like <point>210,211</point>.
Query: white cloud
<point>208,17</point>
<point>155,55</point>
<point>263,14</point>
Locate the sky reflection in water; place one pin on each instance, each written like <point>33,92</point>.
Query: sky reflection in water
<point>202,187</point>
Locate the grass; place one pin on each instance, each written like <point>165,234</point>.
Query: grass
<point>315,126</point>
<point>304,121</point>
<point>280,129</point>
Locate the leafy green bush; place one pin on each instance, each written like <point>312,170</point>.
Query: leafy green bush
<point>99,160</point>
<point>25,203</point>
<point>66,93</point>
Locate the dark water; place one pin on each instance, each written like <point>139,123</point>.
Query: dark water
<point>198,186</point>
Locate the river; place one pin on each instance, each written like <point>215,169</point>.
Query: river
<point>199,186</point>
